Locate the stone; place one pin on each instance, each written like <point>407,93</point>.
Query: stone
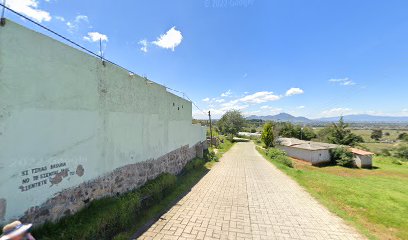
<point>3,205</point>
<point>118,181</point>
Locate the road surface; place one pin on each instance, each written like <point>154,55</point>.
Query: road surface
<point>246,197</point>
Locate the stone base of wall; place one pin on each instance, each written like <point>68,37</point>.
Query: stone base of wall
<point>119,181</point>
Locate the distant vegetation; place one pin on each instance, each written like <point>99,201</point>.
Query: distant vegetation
<point>382,139</point>
<point>231,123</point>
<point>377,134</point>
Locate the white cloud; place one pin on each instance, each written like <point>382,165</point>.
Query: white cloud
<point>343,81</point>
<point>30,9</point>
<point>143,44</point>
<point>74,25</point>
<point>269,110</point>
<point>62,19</point>
<point>294,91</point>
<point>260,97</point>
<point>95,37</point>
<point>217,112</point>
<point>300,107</point>
<point>404,112</point>
<point>170,40</point>
<point>226,94</point>
<point>220,105</point>
<point>80,18</point>
<point>249,113</point>
<point>334,112</point>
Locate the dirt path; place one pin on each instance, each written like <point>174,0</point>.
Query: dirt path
<point>246,197</point>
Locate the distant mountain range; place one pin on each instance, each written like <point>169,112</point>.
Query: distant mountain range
<point>281,117</point>
<point>284,117</point>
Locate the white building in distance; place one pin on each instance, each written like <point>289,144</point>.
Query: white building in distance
<point>317,152</point>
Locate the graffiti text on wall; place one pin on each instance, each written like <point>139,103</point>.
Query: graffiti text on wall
<point>41,176</point>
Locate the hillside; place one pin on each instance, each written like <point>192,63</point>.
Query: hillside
<point>285,117</point>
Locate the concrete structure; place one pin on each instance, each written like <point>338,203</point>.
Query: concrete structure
<point>362,159</point>
<point>313,152</point>
<point>318,152</point>
<point>73,129</point>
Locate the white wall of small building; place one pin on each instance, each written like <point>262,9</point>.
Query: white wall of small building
<point>312,156</point>
<point>363,161</point>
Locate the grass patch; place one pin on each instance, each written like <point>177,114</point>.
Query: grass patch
<point>374,201</point>
<point>223,147</point>
<point>120,217</point>
<point>215,153</point>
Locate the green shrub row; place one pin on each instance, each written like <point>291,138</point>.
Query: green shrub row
<point>210,156</point>
<point>104,218</point>
<point>279,156</point>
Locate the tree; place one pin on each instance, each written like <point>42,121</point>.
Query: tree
<point>267,134</point>
<point>323,134</point>
<point>307,133</point>
<point>403,137</point>
<point>291,131</point>
<point>376,134</point>
<point>342,157</point>
<point>231,123</point>
<point>402,152</point>
<point>287,130</point>
<point>340,134</point>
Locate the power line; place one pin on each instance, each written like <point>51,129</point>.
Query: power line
<point>83,48</point>
<point>185,96</point>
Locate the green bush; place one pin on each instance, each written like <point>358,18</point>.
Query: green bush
<point>279,156</point>
<point>194,164</point>
<point>104,218</point>
<point>267,134</point>
<point>210,156</point>
<point>402,152</point>
<point>155,189</point>
<point>385,152</point>
<point>285,161</point>
<point>274,152</point>
<point>342,157</point>
<point>396,162</point>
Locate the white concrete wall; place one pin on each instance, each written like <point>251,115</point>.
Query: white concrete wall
<point>314,157</point>
<point>363,161</point>
<point>61,108</point>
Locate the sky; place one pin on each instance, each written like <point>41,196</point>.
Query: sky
<point>312,58</point>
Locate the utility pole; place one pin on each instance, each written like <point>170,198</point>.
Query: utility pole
<point>2,19</point>
<point>211,137</point>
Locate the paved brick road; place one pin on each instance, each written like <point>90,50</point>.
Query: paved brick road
<point>246,197</point>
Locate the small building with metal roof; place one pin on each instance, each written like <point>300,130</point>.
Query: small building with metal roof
<point>317,152</point>
<point>362,159</point>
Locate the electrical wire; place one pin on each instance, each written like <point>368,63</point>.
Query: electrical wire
<point>83,48</point>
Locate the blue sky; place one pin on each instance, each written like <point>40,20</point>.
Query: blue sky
<point>313,58</point>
